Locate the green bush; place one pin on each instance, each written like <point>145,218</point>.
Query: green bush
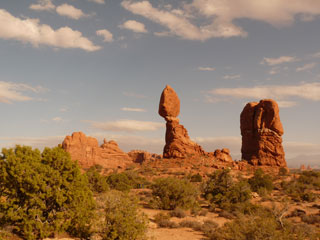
<point>260,181</point>
<point>97,182</point>
<point>310,178</point>
<point>262,226</point>
<point>170,193</point>
<point>222,190</point>
<point>196,178</point>
<point>122,219</point>
<point>178,212</point>
<point>43,193</point>
<point>125,181</point>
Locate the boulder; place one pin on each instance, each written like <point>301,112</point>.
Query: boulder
<point>262,131</point>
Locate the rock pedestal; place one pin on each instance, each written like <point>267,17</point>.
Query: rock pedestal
<point>261,131</point>
<point>178,142</point>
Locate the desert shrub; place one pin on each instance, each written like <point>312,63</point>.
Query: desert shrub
<point>122,218</point>
<point>195,225</point>
<point>125,181</point>
<point>298,191</point>
<point>196,178</point>
<point>43,193</point>
<point>207,227</point>
<point>283,171</point>
<point>311,219</point>
<point>223,191</point>
<point>178,212</point>
<point>265,226</point>
<point>170,193</point>
<point>310,178</point>
<point>260,181</point>
<point>97,182</point>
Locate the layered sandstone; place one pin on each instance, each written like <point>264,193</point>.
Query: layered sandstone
<point>87,152</point>
<point>178,142</point>
<point>261,131</point>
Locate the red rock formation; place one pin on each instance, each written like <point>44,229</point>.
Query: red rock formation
<point>223,155</point>
<point>87,152</point>
<point>139,156</point>
<point>178,143</point>
<point>261,131</point>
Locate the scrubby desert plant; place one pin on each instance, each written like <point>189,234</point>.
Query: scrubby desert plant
<point>43,193</point>
<point>170,193</point>
<point>122,218</point>
<point>223,191</point>
<point>125,181</point>
<point>97,182</point>
<point>260,181</point>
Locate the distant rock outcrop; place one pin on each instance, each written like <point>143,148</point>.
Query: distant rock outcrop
<point>261,131</point>
<point>87,152</point>
<point>178,142</point>
<point>139,156</point>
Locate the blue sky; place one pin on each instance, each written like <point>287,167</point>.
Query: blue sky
<point>100,67</point>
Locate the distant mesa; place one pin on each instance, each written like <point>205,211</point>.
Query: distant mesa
<point>261,131</point>
<point>88,153</point>
<point>178,142</point>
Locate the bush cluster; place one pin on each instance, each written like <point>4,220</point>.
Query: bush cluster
<point>43,193</point>
<point>222,191</point>
<point>125,181</point>
<point>97,182</point>
<point>261,181</point>
<point>170,193</point>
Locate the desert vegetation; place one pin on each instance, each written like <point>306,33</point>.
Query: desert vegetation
<point>46,195</point>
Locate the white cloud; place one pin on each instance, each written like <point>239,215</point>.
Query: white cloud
<point>231,77</point>
<point>126,109</point>
<point>57,119</point>
<point>70,11</point>
<point>279,60</point>
<point>43,5</point>
<point>31,31</point>
<point>309,91</point>
<point>206,69</point>
<point>134,26</point>
<point>64,109</point>
<point>220,16</point>
<point>178,23</point>
<point>127,125</point>
<point>316,55</point>
<point>134,95</point>
<point>13,92</point>
<point>107,36</point>
<point>97,1</point>
<point>306,67</point>
<point>286,104</point>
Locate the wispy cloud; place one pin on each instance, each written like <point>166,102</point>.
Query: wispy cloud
<point>70,11</point>
<point>14,92</point>
<point>107,36</point>
<point>309,91</point>
<point>134,26</point>
<point>306,67</point>
<point>97,1</point>
<point>36,142</point>
<point>210,69</point>
<point>279,60</point>
<point>43,5</point>
<point>127,125</point>
<point>31,31</point>
<point>126,109</point>
<point>231,77</point>
<point>134,95</point>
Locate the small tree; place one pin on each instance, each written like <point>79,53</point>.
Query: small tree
<point>222,190</point>
<point>261,181</point>
<point>123,221</point>
<point>43,193</point>
<point>97,182</point>
<point>170,193</point>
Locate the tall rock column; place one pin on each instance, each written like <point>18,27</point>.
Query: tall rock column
<point>178,142</point>
<point>261,131</point>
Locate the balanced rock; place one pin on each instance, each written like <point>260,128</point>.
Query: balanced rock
<point>87,152</point>
<point>261,131</point>
<point>178,142</point>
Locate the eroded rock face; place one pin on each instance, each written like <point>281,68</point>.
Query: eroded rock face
<point>178,143</point>
<point>87,152</point>
<point>261,131</point>
<point>139,156</point>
